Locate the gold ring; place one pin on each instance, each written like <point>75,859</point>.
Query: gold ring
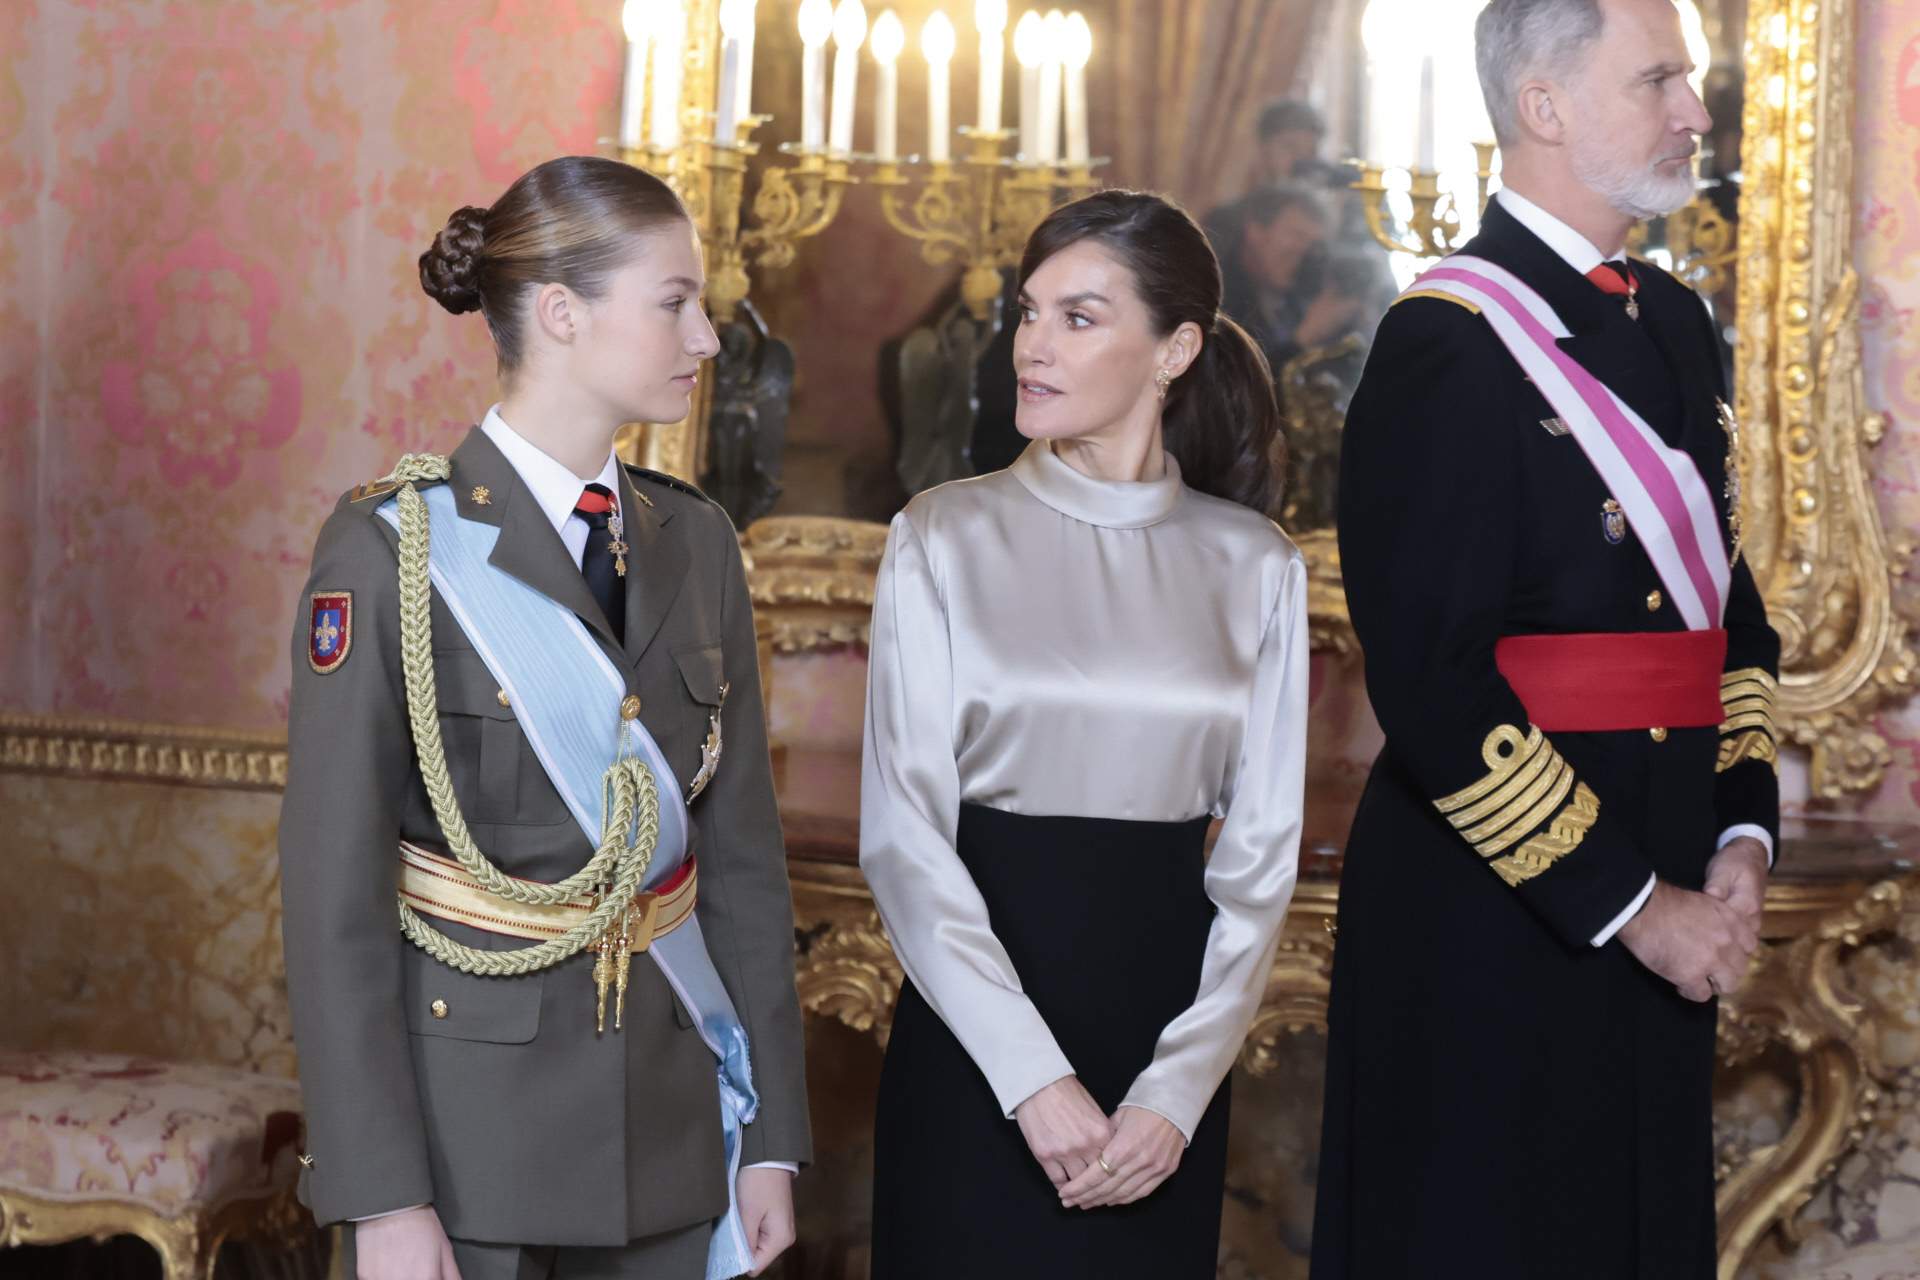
<point>1105,1165</point>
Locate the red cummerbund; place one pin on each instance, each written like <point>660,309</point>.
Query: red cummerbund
<point>1619,680</point>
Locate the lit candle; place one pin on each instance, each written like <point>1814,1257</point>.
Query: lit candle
<point>849,32</point>
<point>889,38</point>
<point>726,115</point>
<point>744,108</point>
<point>670,29</point>
<point>633,89</point>
<point>816,24</point>
<point>936,42</point>
<point>1047,115</point>
<point>1423,140</point>
<point>1029,38</point>
<point>990,16</point>
<point>1078,51</point>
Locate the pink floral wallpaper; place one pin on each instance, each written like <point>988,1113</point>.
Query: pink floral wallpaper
<point>209,215</point>
<point>1887,224</point>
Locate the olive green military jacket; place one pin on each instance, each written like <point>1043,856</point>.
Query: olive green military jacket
<point>494,1099</point>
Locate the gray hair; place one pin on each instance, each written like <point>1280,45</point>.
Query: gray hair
<point>1517,39</point>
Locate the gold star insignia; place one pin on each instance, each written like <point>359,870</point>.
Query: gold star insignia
<point>482,496</point>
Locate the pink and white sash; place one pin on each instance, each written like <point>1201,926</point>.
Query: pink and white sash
<point>1666,502</point>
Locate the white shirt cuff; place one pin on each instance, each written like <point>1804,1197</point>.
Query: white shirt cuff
<point>785,1165</point>
<point>1731,834</point>
<point>1605,936</point>
<point>375,1217</point>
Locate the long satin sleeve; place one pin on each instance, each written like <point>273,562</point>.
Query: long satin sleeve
<point>909,813</point>
<point>1250,876</point>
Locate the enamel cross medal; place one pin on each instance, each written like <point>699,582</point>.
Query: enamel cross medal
<point>617,528</point>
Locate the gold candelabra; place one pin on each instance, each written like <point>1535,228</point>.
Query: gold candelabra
<point>794,202</point>
<point>1433,230</point>
<point>977,211</point>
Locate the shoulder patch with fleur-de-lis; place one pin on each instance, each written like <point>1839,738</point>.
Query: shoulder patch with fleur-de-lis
<point>710,750</point>
<point>1731,425</point>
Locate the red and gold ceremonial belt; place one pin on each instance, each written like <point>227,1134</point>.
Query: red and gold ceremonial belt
<point>436,885</point>
<point>1603,682</point>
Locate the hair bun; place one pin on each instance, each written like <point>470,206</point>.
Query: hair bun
<point>449,270</point>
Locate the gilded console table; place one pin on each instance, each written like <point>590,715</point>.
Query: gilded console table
<point>1840,886</point>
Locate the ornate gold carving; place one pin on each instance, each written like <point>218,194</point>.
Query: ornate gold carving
<point>812,577</point>
<point>1813,534</point>
<point>1796,996</point>
<point>187,1244</point>
<point>846,967</point>
<point>1569,828</point>
<point>115,750</point>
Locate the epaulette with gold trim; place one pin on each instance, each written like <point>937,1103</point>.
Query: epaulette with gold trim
<point>372,489</point>
<point>1435,293</point>
<point>661,477</point>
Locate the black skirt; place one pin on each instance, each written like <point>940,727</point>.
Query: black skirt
<point>1106,922</point>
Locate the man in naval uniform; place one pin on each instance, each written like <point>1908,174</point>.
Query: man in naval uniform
<point>1561,853</point>
<point>553,1130</point>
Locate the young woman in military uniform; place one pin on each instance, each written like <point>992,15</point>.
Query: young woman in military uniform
<point>538,932</point>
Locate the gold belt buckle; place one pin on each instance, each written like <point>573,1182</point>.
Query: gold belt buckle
<point>646,912</point>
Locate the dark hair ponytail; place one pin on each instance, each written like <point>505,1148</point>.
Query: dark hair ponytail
<point>1221,421</point>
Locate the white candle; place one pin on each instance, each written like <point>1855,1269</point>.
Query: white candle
<point>936,42</point>
<point>889,38</point>
<point>633,88</point>
<point>669,31</point>
<point>849,31</point>
<point>990,16</point>
<point>1047,116</point>
<point>1029,37</point>
<point>1079,50</point>
<point>736,18</point>
<point>1423,139</point>
<point>816,24</point>
<point>744,107</point>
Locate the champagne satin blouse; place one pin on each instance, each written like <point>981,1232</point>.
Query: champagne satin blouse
<point>1048,643</point>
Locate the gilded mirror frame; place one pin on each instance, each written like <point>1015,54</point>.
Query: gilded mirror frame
<point>1814,535</point>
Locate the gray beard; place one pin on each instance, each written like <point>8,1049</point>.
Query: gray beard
<point>1639,193</point>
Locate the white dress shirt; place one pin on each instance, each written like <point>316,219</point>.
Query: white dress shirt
<point>1580,253</point>
<point>553,484</point>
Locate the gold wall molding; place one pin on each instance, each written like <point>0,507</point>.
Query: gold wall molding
<point>812,578</point>
<point>1814,536</point>
<point>114,750</point>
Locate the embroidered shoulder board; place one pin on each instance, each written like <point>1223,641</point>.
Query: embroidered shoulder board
<point>371,489</point>
<point>671,482</point>
<point>1435,293</point>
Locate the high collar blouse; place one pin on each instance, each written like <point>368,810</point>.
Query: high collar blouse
<point>1049,643</point>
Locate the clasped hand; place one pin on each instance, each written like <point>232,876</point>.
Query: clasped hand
<point>1703,942</point>
<point>1071,1138</point>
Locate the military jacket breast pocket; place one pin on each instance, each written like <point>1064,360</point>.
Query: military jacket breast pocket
<point>703,668</point>
<point>444,1002</point>
<point>495,772</point>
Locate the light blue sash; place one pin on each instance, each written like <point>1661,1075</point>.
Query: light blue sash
<point>566,694</point>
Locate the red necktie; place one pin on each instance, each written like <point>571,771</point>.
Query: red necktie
<point>603,559</point>
<point>1617,279</point>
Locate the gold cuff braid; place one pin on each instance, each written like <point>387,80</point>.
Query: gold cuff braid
<point>1556,842</point>
<point>1527,780</point>
<point>1749,697</point>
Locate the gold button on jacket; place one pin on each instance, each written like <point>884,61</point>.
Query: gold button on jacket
<point>1654,600</point>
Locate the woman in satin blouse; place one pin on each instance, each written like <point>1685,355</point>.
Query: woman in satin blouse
<point>1076,664</point>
